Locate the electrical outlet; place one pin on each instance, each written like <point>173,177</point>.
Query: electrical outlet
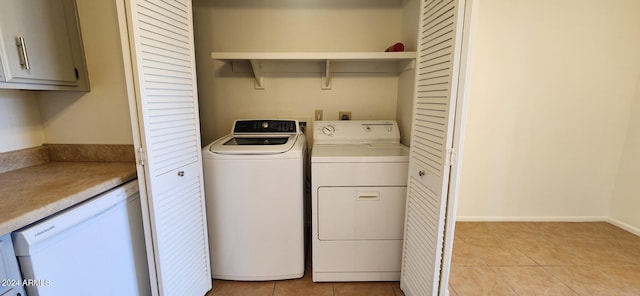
<point>318,115</point>
<point>344,115</point>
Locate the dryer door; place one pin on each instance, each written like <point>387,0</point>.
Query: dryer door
<point>361,213</point>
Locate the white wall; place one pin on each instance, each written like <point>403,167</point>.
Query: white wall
<point>31,118</point>
<point>20,125</point>
<point>625,204</point>
<point>100,116</point>
<point>290,26</point>
<point>551,91</point>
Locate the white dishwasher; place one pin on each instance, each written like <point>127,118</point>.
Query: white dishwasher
<point>94,248</point>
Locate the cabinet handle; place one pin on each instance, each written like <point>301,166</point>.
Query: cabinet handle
<point>24,59</point>
<point>421,173</point>
<point>181,173</point>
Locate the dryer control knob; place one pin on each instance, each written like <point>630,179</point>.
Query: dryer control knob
<point>328,130</point>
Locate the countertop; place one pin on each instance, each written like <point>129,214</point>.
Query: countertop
<point>32,193</point>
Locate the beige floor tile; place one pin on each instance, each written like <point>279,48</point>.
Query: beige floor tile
<point>547,251</point>
<point>398,292</point>
<point>477,281</point>
<point>363,289</point>
<point>581,251</point>
<point>577,251</point>
<point>604,251</point>
<point>466,230</point>
<point>602,230</point>
<point>236,288</point>
<point>493,252</point>
<point>532,281</point>
<point>452,291</point>
<point>496,230</point>
<point>465,254</point>
<point>304,286</point>
<point>628,247</point>
<point>541,258</point>
<point>599,280</point>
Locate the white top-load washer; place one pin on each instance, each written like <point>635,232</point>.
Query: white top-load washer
<point>359,180</point>
<point>254,180</point>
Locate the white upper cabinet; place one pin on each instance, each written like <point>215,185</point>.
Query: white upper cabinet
<point>40,48</point>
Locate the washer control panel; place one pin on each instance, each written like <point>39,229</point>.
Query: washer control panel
<point>265,126</point>
<point>356,132</point>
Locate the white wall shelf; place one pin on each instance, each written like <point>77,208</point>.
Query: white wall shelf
<point>323,62</point>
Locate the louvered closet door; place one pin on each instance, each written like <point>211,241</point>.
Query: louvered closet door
<point>437,72</point>
<point>161,41</point>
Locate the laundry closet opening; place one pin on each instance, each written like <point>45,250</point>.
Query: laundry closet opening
<point>371,89</point>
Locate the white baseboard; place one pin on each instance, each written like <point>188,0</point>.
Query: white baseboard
<point>533,219</point>
<point>625,226</point>
<point>618,223</point>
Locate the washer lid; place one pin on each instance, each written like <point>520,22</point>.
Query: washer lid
<point>360,153</point>
<point>254,144</point>
<point>258,136</point>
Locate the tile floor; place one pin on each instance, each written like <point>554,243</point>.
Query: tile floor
<point>513,258</point>
<point>544,259</point>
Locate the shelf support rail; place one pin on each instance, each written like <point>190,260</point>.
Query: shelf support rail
<point>257,73</point>
<point>326,76</point>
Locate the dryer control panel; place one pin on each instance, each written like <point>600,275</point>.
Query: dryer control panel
<point>356,132</point>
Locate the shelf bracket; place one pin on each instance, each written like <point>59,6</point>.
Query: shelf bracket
<point>326,75</point>
<point>257,74</point>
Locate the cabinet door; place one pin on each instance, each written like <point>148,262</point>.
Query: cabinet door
<point>436,99</point>
<point>9,270</point>
<point>162,61</point>
<point>35,42</point>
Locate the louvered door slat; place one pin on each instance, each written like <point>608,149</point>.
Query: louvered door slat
<point>182,270</point>
<point>167,84</point>
<point>164,71</point>
<point>428,73</point>
<point>444,23</point>
<point>431,113</point>
<point>168,92</point>
<point>153,54</point>
<point>156,21</point>
<point>178,129</point>
<point>181,118</point>
<point>439,59</point>
<point>166,49</point>
<point>434,107</point>
<point>174,79</point>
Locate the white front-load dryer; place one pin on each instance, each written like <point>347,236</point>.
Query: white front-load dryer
<point>359,186</point>
<point>254,180</point>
